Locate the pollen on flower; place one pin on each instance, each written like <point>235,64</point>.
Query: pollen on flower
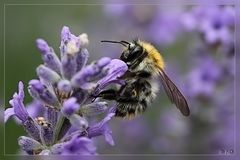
<point>72,48</point>
<point>83,40</point>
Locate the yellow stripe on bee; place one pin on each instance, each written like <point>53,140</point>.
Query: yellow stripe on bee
<point>153,54</point>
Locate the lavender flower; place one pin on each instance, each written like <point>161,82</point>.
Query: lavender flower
<point>215,24</point>
<point>203,79</point>
<point>64,93</point>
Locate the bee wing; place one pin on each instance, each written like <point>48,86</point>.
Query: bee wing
<point>174,94</point>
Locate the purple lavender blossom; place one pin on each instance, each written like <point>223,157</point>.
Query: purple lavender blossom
<point>64,94</point>
<point>214,23</point>
<point>203,79</point>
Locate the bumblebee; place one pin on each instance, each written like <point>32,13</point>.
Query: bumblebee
<point>145,64</point>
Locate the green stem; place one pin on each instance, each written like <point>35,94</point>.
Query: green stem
<point>59,127</point>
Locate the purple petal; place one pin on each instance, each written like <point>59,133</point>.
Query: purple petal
<point>116,69</point>
<point>78,122</point>
<point>46,133</point>
<point>108,136</point>
<point>69,65</point>
<point>82,58</point>
<point>28,144</point>
<point>32,128</point>
<point>70,106</point>
<point>52,116</point>
<point>35,109</point>
<point>102,128</point>
<point>17,103</point>
<point>8,113</point>
<point>21,90</point>
<point>79,145</point>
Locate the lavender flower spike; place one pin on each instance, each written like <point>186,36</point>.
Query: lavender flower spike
<point>64,92</point>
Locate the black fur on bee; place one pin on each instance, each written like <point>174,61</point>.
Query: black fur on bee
<point>133,98</point>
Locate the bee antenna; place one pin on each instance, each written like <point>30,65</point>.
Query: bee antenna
<point>121,42</point>
<point>125,42</point>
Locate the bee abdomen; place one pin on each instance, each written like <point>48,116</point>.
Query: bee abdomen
<point>131,110</point>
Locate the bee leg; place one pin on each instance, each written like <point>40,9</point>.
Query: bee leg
<point>109,94</point>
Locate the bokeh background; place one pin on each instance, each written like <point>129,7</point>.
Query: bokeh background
<point>197,43</point>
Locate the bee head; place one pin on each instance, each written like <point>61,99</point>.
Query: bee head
<point>133,51</point>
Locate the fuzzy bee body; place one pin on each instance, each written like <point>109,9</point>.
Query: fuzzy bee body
<point>135,97</point>
<point>145,64</point>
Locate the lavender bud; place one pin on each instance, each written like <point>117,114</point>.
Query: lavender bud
<point>94,108</point>
<point>47,135</point>
<point>47,74</point>
<point>64,86</point>
<point>65,34</point>
<point>43,46</point>
<point>78,122</point>
<point>70,107</point>
<point>38,91</point>
<point>48,55</point>
<point>81,58</point>
<point>90,73</point>
<point>70,44</point>
<point>32,128</point>
<point>103,62</point>
<point>57,148</point>
<point>69,66</point>
<point>52,116</point>
<point>28,144</point>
